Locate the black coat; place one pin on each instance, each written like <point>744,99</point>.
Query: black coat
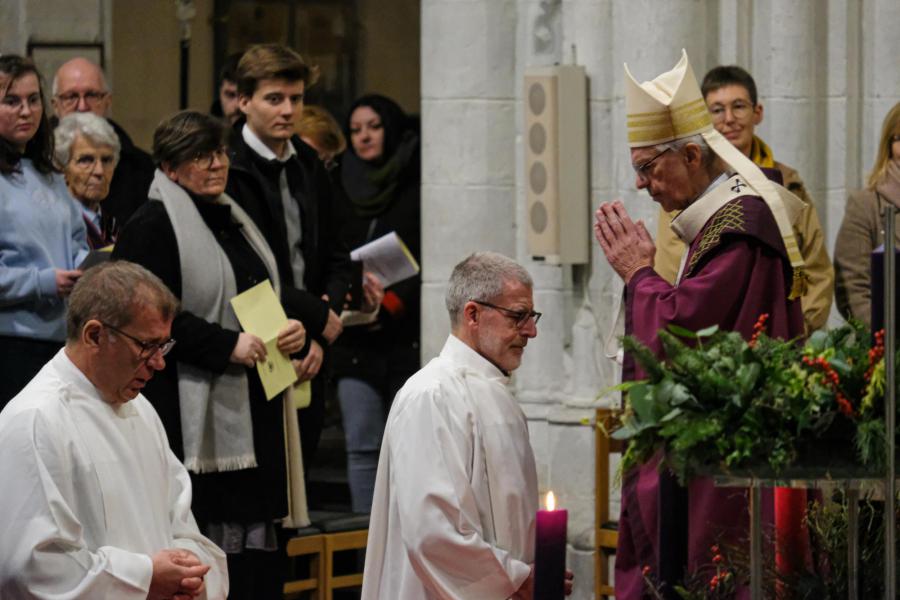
<point>386,353</point>
<point>327,260</point>
<point>131,180</point>
<point>246,495</point>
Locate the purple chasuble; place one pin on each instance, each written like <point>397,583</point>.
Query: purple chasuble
<point>736,270</point>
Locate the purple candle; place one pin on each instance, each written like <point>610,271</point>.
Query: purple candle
<point>550,552</point>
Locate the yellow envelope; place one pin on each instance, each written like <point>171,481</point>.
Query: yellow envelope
<point>302,395</point>
<point>260,313</point>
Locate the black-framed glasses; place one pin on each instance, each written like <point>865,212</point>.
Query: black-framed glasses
<point>205,160</point>
<point>641,169</point>
<point>521,317</point>
<point>148,349</point>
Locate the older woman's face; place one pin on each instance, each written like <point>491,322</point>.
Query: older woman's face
<point>89,171</point>
<point>367,133</point>
<point>205,175</point>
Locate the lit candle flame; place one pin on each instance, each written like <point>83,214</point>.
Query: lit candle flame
<point>551,501</point>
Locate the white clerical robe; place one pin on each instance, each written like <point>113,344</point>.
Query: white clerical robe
<point>89,493</point>
<point>456,491</point>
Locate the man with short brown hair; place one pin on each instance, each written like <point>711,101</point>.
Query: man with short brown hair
<point>95,504</point>
<point>284,187</point>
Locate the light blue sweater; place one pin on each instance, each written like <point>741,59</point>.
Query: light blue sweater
<point>41,230</point>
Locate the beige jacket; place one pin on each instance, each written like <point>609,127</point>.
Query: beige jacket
<point>816,302</point>
<point>860,233</point>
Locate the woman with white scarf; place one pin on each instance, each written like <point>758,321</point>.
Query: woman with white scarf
<point>862,230</point>
<point>242,451</point>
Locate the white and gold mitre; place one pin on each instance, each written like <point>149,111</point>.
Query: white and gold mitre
<point>671,107</point>
<point>668,108</point>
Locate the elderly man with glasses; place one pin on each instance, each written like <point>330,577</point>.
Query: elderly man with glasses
<point>730,94</point>
<point>456,492</point>
<point>80,86</point>
<point>742,262</point>
<point>95,505</point>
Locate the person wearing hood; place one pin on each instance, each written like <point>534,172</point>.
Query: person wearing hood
<point>378,179</point>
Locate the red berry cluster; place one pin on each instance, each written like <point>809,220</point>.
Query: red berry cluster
<point>758,329</point>
<point>875,353</point>
<point>831,377</point>
<point>721,575</point>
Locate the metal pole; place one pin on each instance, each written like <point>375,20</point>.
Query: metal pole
<point>756,559</point>
<point>890,399</point>
<point>852,497</point>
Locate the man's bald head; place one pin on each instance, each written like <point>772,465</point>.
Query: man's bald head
<point>79,86</point>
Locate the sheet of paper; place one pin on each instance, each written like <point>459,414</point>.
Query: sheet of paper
<point>260,313</point>
<point>388,258</point>
<point>352,318</point>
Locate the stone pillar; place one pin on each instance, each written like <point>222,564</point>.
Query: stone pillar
<point>468,153</point>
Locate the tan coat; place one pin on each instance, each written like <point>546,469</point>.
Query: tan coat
<point>817,300</point>
<point>860,233</point>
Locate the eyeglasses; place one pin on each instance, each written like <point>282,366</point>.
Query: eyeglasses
<point>641,169</point>
<point>16,103</point>
<point>739,109</point>
<point>91,98</point>
<point>148,349</point>
<point>521,317</point>
<point>205,160</point>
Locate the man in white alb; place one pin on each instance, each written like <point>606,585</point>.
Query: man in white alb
<point>94,504</point>
<point>456,490</point>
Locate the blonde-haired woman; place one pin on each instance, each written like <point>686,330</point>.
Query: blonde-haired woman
<point>861,230</point>
<point>318,129</point>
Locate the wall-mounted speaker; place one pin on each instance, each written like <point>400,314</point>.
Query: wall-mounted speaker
<point>556,164</point>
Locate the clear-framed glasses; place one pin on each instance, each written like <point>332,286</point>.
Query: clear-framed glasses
<point>206,160</point>
<point>521,317</point>
<point>92,98</point>
<point>641,169</point>
<point>15,103</point>
<point>148,349</point>
<point>741,109</point>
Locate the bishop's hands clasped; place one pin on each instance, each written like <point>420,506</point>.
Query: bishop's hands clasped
<point>627,244</point>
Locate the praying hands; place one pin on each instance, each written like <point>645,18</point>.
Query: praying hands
<point>627,245</point>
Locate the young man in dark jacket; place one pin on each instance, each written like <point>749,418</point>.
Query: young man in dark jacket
<point>283,186</point>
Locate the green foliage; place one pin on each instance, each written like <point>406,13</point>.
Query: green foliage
<point>718,401</point>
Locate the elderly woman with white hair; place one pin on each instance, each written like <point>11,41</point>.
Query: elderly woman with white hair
<point>87,150</point>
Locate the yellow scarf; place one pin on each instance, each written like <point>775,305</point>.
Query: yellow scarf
<point>761,154</point>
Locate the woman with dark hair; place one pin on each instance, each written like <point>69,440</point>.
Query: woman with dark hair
<point>242,451</point>
<point>862,231</point>
<point>379,180</point>
<point>42,235</point>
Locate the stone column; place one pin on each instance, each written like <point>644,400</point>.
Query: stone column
<point>468,150</point>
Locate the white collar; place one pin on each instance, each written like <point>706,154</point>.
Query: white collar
<point>75,378</point>
<point>457,351</point>
<point>688,223</point>
<point>260,148</point>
